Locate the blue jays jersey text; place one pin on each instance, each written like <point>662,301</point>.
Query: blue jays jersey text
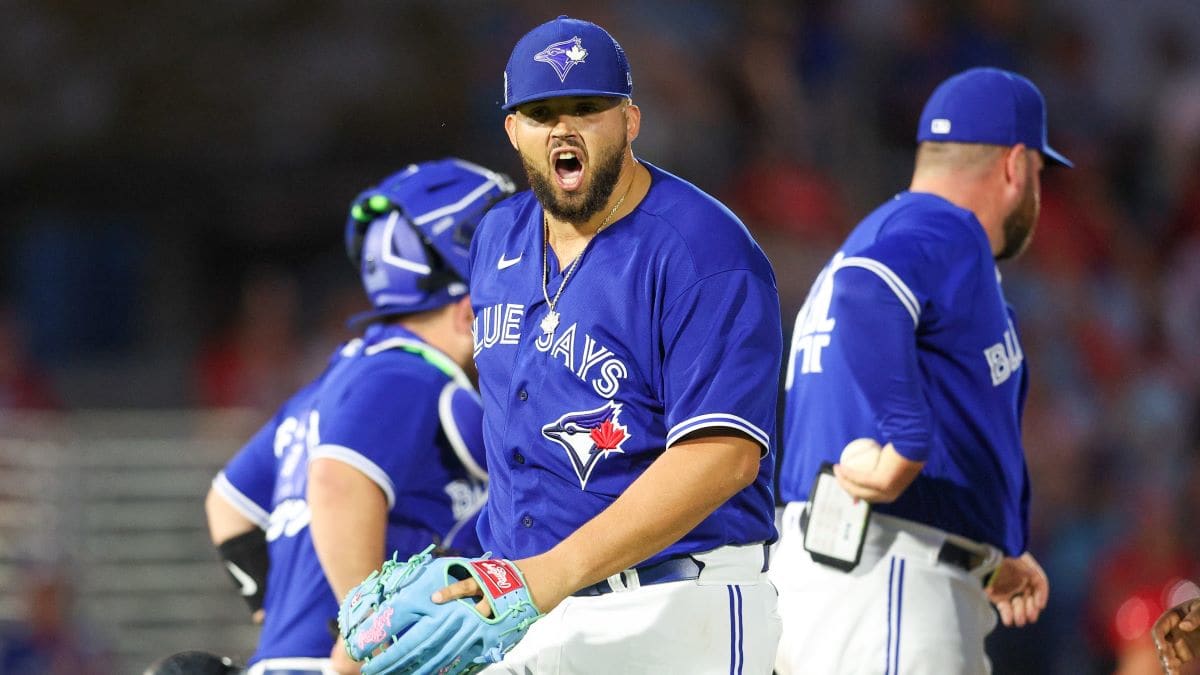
<point>906,338</point>
<point>395,409</point>
<point>669,324</point>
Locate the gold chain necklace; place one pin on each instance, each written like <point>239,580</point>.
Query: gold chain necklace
<point>550,321</point>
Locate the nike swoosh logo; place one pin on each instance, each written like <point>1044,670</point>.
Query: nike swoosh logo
<point>505,263</point>
<point>249,586</point>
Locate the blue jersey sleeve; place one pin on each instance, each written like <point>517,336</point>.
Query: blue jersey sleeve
<point>722,343</point>
<point>886,294</point>
<point>929,264</point>
<point>248,480</point>
<point>878,340</point>
<point>381,426</point>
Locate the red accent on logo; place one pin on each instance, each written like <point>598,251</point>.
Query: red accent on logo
<point>607,436</point>
<point>500,576</point>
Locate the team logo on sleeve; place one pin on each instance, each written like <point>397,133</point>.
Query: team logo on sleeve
<point>563,56</point>
<point>588,437</point>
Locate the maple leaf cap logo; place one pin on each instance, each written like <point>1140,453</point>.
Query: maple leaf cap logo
<point>576,53</point>
<point>561,57</point>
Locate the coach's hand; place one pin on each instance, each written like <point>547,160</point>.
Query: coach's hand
<point>1019,589</point>
<point>883,484</point>
<point>1177,635</point>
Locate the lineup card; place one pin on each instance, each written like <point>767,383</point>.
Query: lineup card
<point>837,523</point>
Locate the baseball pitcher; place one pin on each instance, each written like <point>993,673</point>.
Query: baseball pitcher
<point>628,342</point>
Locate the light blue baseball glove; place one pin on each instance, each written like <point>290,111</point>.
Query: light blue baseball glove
<point>389,621</point>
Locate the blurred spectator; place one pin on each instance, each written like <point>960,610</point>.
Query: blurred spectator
<point>334,306</point>
<point>1065,64</point>
<point>774,109</point>
<point>1183,222</point>
<point>991,33</point>
<point>681,81</point>
<point>1177,114</point>
<point>775,193</point>
<point>254,361</point>
<point>1148,572</point>
<point>909,70</point>
<point>22,383</point>
<point>798,217</point>
<point>51,639</point>
<point>76,275</point>
<point>1181,308</point>
<point>822,48</point>
<point>1079,227</point>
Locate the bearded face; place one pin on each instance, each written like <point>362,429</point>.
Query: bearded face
<point>577,207</point>
<point>573,151</point>
<point>1020,224</point>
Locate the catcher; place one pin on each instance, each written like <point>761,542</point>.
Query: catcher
<point>193,662</point>
<point>382,452</point>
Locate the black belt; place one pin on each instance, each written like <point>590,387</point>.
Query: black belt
<point>682,568</point>
<point>950,553</point>
<point>962,558</point>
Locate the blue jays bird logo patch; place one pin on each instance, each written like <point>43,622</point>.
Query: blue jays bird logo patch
<point>563,56</point>
<point>588,437</point>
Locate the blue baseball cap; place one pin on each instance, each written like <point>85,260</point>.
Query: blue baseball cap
<point>566,57</point>
<point>988,105</point>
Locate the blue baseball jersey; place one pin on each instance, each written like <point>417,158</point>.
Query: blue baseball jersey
<point>906,338</point>
<point>407,417</point>
<point>669,324</point>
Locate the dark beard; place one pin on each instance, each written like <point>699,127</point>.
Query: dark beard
<point>607,171</point>
<point>1019,226</point>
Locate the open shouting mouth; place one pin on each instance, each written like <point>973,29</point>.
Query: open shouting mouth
<point>567,166</point>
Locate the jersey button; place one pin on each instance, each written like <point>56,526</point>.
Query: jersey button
<point>527,521</point>
<point>523,395</point>
<point>518,457</point>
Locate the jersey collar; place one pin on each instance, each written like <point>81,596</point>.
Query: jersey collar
<point>382,337</point>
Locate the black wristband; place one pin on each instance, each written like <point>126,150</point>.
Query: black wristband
<point>245,558</point>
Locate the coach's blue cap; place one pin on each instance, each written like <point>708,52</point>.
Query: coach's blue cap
<point>566,57</point>
<point>988,105</point>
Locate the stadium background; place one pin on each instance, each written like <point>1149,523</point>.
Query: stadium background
<point>174,176</point>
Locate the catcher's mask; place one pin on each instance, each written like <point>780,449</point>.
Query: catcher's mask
<point>193,663</point>
<point>410,236</point>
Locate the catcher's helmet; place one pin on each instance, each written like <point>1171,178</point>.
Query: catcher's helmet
<point>410,236</point>
<point>193,663</point>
